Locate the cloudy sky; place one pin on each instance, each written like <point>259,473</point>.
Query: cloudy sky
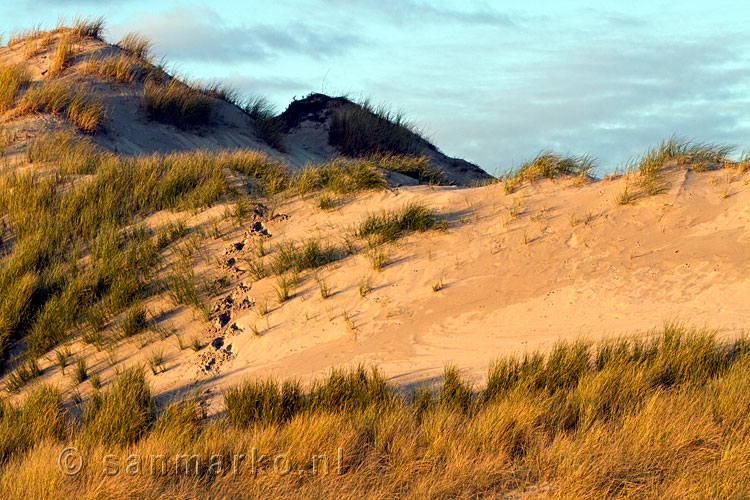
<point>493,82</point>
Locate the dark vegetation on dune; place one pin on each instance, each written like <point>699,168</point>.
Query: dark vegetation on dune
<point>359,129</point>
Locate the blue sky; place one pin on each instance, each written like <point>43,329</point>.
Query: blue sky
<point>493,82</point>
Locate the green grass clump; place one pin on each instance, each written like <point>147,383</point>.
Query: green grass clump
<point>16,305</point>
<point>378,258</point>
<point>416,167</point>
<point>361,129</point>
<point>13,80</point>
<point>268,402</point>
<point>41,417</point>
<point>135,321</point>
<point>311,255</point>
<point>350,390</point>
<point>263,402</point>
<point>176,103</point>
<point>123,414</point>
<point>195,344</point>
<point>549,165</point>
<point>96,382</point>
<point>326,202</point>
<point>389,225</point>
<point>61,356</point>
<point>270,173</point>
<point>71,153</point>
<point>341,175</point>
<point>25,372</point>
<point>676,151</point>
<point>81,371</point>
<point>455,393</point>
<point>183,289</point>
<point>170,233</point>
<point>156,362</point>
<point>324,288</point>
<point>283,289</point>
<point>257,269</point>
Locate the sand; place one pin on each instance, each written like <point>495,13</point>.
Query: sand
<point>553,261</point>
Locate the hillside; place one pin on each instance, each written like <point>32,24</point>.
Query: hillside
<point>123,84</point>
<point>509,273</point>
<point>182,275</point>
<point>319,126</point>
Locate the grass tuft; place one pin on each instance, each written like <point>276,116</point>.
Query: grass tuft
<point>81,371</point>
<point>389,225</point>
<point>135,321</point>
<point>122,68</point>
<point>548,165</point>
<point>176,103</point>
<point>13,80</point>
<point>62,355</point>
<point>362,129</point>
<point>123,414</point>
<point>156,362</point>
<point>137,45</point>
<point>680,152</point>
<point>88,27</point>
<point>83,110</point>
<point>262,402</point>
<point>268,125</point>
<point>24,373</point>
<point>63,55</point>
<point>455,394</point>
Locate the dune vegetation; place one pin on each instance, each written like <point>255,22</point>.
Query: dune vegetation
<point>660,417</point>
<point>91,237</point>
<point>365,129</point>
<point>79,248</point>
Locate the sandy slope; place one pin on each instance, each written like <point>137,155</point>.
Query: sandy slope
<point>553,261</point>
<point>127,130</point>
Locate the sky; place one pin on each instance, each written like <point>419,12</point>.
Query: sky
<point>492,82</point>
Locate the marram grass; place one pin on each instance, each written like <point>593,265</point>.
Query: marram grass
<point>658,418</point>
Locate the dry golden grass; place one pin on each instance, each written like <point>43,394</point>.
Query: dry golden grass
<point>87,27</point>
<point>122,68</point>
<point>548,165</point>
<point>13,79</point>
<point>75,103</point>
<point>664,418</point>
<point>19,37</point>
<point>176,103</point>
<point>137,46</point>
<point>63,55</point>
<point>36,45</point>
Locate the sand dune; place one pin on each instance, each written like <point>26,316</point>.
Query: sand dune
<point>126,129</point>
<point>556,260</point>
